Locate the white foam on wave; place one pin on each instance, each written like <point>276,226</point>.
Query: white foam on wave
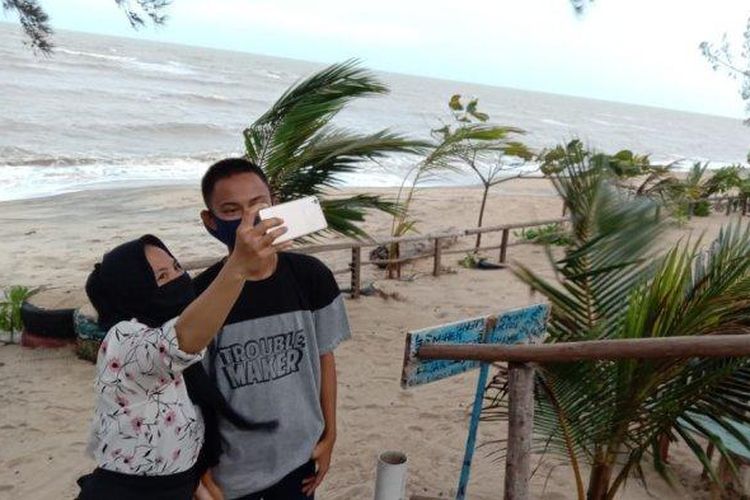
<point>23,182</point>
<point>95,55</point>
<point>550,121</point>
<point>169,67</point>
<point>31,180</point>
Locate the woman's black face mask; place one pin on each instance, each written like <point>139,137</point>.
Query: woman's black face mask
<point>169,300</point>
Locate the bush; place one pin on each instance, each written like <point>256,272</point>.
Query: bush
<point>551,234</point>
<point>88,349</point>
<point>702,209</point>
<point>10,308</point>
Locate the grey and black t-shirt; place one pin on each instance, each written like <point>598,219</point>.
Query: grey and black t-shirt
<point>266,363</point>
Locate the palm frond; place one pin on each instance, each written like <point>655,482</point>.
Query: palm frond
<point>303,154</point>
<point>343,214</point>
<point>612,283</point>
<point>302,111</point>
<point>333,152</point>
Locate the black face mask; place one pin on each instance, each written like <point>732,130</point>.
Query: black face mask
<point>168,301</point>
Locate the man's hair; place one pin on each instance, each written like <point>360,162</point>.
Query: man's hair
<point>227,168</point>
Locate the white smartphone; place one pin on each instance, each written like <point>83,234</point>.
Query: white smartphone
<point>301,217</point>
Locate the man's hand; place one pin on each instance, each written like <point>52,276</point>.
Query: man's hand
<point>322,457</point>
<point>254,242</point>
<point>208,489</point>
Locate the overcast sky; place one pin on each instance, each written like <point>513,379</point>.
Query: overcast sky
<point>636,51</point>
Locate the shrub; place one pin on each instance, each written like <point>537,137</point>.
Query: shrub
<point>551,234</point>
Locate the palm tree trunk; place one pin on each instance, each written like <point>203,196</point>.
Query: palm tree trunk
<point>394,268</point>
<point>481,215</point>
<point>601,474</point>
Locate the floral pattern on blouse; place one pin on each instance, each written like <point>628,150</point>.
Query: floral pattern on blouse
<point>144,423</point>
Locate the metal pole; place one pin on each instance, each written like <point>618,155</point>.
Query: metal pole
<point>476,412</point>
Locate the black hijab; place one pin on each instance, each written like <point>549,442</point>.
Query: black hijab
<point>123,287</point>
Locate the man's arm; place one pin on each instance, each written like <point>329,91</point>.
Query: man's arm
<point>204,317</point>
<point>324,449</point>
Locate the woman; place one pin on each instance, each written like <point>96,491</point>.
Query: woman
<point>147,436</point>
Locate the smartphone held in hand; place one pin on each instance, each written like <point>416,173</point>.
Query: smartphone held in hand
<point>302,217</point>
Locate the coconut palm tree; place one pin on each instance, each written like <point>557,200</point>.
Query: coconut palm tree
<point>303,154</point>
<point>613,283</point>
<point>487,159</point>
<point>446,152</point>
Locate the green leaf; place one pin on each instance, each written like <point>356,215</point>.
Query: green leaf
<point>303,154</point>
<point>616,282</point>
<point>455,103</point>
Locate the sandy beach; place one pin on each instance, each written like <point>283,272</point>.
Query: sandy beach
<point>46,395</point>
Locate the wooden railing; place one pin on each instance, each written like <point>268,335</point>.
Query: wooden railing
<point>521,378</point>
<point>354,269</point>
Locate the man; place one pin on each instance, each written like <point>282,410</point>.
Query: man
<point>273,359</point>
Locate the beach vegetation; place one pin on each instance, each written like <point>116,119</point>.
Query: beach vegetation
<point>700,184</point>
<point>549,234</point>
<point>303,154</point>
<point>10,309</point>
<point>735,63</point>
<point>616,282</point>
<point>493,161</point>
<point>446,152</point>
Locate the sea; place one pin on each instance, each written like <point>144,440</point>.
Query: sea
<point>106,112</point>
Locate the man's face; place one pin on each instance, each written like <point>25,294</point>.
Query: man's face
<point>232,195</point>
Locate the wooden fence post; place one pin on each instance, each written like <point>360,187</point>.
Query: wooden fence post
<point>356,270</point>
<point>438,255</point>
<point>520,428</point>
<point>504,246</point>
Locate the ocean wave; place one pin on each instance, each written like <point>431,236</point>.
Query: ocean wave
<point>168,67</point>
<point>95,55</point>
<point>171,128</point>
<point>550,121</point>
<point>19,157</point>
<point>194,96</point>
<point>30,181</point>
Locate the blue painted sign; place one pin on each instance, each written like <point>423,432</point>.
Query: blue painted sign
<point>523,325</point>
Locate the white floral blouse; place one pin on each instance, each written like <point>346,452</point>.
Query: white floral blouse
<point>144,422</point>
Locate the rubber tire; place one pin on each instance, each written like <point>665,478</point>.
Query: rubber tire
<point>50,323</point>
<point>33,341</point>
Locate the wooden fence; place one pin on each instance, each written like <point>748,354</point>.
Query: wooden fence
<point>521,378</point>
<point>354,269</point>
<point>733,204</point>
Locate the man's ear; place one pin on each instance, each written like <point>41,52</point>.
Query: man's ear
<point>208,220</point>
